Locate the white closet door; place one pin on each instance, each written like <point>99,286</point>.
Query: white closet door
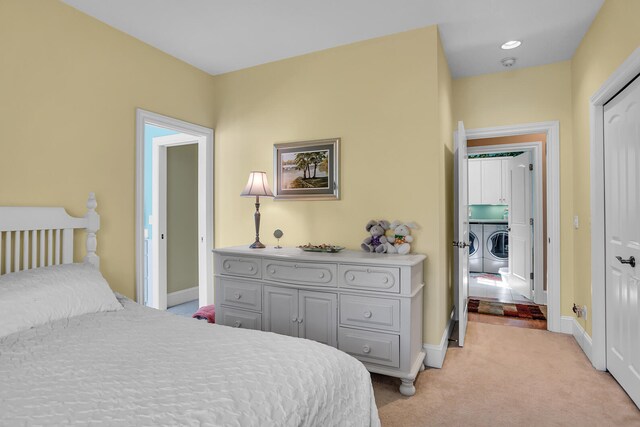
<point>520,214</point>
<point>461,231</point>
<point>622,205</point>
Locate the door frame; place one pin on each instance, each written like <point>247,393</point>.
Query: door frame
<point>540,295</point>
<point>552,131</point>
<point>159,202</point>
<point>206,196</point>
<point>617,81</point>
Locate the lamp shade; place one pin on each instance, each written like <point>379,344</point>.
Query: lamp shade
<point>257,185</point>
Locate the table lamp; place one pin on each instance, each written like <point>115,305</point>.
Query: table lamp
<point>257,186</point>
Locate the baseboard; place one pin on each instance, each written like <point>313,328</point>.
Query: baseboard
<point>436,353</point>
<point>180,297</point>
<point>571,326</point>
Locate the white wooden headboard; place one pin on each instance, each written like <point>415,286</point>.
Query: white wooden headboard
<point>38,237</point>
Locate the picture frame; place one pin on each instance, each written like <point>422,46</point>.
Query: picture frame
<point>307,170</point>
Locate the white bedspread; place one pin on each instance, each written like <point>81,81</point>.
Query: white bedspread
<point>140,366</point>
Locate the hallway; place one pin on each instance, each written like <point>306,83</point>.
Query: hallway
<point>507,376</point>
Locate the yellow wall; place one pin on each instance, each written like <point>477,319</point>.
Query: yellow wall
<point>613,36</point>
<point>529,95</point>
<point>444,299</point>
<point>69,87</point>
<point>182,217</point>
<point>381,97</point>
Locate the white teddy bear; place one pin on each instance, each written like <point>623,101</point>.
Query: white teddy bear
<point>401,238</point>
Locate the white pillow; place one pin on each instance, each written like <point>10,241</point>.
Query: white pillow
<point>34,297</point>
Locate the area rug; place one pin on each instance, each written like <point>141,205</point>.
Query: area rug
<point>522,311</point>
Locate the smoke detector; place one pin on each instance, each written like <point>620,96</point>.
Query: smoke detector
<point>508,62</point>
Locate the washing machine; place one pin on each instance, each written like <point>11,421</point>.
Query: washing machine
<point>475,248</point>
<point>496,247</point>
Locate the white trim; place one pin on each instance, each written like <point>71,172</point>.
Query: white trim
<point>567,325</point>
<point>540,295</point>
<point>616,82</point>
<point>552,130</point>
<point>571,326</point>
<point>180,297</point>
<point>436,353</point>
<point>205,168</point>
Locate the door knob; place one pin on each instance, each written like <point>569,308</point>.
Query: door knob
<point>300,320</point>
<point>631,261</point>
<point>294,319</point>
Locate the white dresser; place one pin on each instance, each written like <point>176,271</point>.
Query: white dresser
<point>368,305</point>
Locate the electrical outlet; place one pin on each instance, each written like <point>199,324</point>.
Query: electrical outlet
<point>576,222</point>
<point>584,312</point>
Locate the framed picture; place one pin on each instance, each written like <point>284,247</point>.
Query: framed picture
<point>306,170</point>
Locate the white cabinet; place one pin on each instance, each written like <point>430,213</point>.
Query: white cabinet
<point>475,181</point>
<point>488,181</point>
<point>304,314</point>
<point>367,305</point>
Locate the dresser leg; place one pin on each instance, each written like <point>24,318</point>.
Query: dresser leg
<point>407,388</point>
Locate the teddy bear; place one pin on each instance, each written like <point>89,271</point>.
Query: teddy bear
<point>400,241</point>
<point>377,242</point>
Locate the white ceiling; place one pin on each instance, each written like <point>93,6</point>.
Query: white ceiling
<point>219,36</point>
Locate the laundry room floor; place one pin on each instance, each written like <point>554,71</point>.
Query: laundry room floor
<point>487,285</point>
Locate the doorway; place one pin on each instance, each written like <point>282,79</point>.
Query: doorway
<point>547,251</point>
<point>174,204</point>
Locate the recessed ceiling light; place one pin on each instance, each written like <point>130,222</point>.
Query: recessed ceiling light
<point>511,44</point>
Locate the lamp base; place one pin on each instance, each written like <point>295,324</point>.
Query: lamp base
<point>257,245</point>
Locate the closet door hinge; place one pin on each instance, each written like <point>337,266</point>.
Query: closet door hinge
<point>530,166</point>
<point>530,221</point>
<point>531,276</point>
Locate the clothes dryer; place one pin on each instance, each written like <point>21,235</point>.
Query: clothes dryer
<point>475,248</point>
<point>496,247</point>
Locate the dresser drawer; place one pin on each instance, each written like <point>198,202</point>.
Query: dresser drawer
<point>238,318</point>
<point>369,312</point>
<point>372,347</point>
<point>300,272</point>
<point>240,294</point>
<point>383,279</point>
<point>240,266</point>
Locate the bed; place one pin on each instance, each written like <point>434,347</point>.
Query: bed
<point>125,364</point>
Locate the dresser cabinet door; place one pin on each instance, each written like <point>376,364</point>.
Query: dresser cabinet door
<point>318,317</point>
<point>281,310</point>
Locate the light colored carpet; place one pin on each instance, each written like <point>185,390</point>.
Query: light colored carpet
<point>507,376</point>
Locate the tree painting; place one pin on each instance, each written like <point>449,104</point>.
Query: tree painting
<point>305,170</point>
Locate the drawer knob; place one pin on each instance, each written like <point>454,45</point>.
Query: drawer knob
<point>237,295</point>
<point>321,275</point>
<point>351,277</point>
<point>294,319</point>
<point>251,268</point>
<point>226,265</point>
<point>368,270</point>
<point>385,280</point>
<point>295,265</point>
<point>366,349</point>
<point>367,314</point>
<point>237,324</point>
<point>272,271</point>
